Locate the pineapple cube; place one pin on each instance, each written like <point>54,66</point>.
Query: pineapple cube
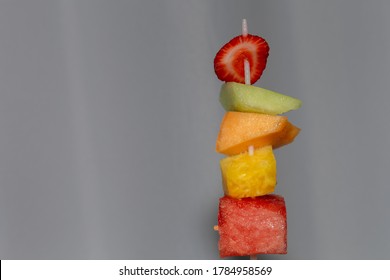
<point>247,175</point>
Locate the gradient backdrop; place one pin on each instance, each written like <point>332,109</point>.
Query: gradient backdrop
<point>109,113</point>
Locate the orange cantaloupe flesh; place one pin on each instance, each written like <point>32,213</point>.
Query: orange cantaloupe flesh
<point>240,130</point>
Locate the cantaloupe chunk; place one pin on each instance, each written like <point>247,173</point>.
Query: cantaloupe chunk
<point>240,130</point>
<point>247,175</point>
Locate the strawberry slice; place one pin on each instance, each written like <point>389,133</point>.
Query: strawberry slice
<point>229,61</point>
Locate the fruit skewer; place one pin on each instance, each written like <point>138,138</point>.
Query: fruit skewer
<point>250,221</point>
<point>247,82</point>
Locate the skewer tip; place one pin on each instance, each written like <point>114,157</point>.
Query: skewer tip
<point>244,27</point>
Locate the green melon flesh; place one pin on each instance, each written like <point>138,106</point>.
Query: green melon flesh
<point>251,99</point>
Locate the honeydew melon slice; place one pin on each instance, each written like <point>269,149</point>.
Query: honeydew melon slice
<point>247,98</point>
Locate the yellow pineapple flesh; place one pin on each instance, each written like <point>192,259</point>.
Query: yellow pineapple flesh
<point>247,175</point>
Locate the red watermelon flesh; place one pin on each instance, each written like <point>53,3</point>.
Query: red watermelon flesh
<point>250,226</point>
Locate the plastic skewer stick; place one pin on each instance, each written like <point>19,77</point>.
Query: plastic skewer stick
<point>247,72</point>
<point>253,257</point>
<point>244,27</point>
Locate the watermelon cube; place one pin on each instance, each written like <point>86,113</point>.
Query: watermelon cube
<point>250,226</point>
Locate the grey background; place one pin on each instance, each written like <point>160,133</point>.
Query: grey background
<point>109,114</point>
